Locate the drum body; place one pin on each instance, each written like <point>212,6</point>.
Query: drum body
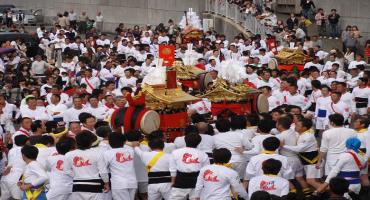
<point>204,80</point>
<point>255,103</point>
<point>173,123</point>
<point>135,118</point>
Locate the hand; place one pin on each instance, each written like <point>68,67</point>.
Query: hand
<point>106,187</point>
<point>6,171</point>
<point>239,150</point>
<point>322,188</point>
<point>318,164</point>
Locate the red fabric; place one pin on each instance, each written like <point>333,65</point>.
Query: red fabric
<point>175,120</point>
<point>70,92</point>
<point>237,108</point>
<point>367,52</point>
<point>190,83</point>
<point>139,117</point>
<point>290,67</point>
<point>139,100</point>
<point>201,66</point>
<point>127,118</point>
<point>250,84</point>
<point>171,79</point>
<point>167,53</point>
<point>113,117</point>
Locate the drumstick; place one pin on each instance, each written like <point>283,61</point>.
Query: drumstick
<point>122,130</point>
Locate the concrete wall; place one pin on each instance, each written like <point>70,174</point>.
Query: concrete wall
<point>353,12</point>
<point>130,12</point>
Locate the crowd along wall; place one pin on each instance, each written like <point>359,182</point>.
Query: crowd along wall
<point>353,12</point>
<point>130,12</point>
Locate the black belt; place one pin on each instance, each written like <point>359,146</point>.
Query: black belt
<point>361,102</point>
<point>186,180</point>
<point>308,158</point>
<point>90,185</point>
<point>159,177</point>
<point>312,107</point>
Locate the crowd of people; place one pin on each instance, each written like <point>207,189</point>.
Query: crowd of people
<point>57,143</point>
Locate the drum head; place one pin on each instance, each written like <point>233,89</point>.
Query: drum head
<point>262,104</point>
<point>150,122</point>
<point>207,79</point>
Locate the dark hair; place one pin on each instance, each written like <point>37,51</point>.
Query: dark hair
<point>84,116</point>
<point>20,140</point>
<point>36,125</point>
<point>156,134</point>
<point>47,140</point>
<point>221,155</point>
<point>103,131</point>
<point>238,122</point>
<point>196,118</point>
<point>65,144</point>
<point>191,129</point>
<point>156,143</point>
<point>265,126</point>
<point>307,123</point>
<point>316,84</point>
<point>30,152</point>
<point>260,195</point>
<point>271,144</point>
<point>192,140</point>
<point>133,136</point>
<point>336,119</point>
<point>271,166</point>
<point>285,122</point>
<point>223,125</point>
<point>84,140</point>
<point>116,140</point>
<point>338,186</point>
<point>34,139</point>
<point>253,119</point>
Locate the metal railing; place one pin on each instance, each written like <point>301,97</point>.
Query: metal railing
<point>233,12</point>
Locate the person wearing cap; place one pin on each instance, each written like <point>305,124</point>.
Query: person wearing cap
<point>330,62</point>
<point>348,166</point>
<point>354,75</point>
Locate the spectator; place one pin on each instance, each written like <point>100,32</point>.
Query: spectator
<point>83,22</point>
<point>292,21</point>
<point>99,22</point>
<point>72,19</point>
<point>356,32</point>
<point>333,19</point>
<point>307,8</point>
<point>321,22</point>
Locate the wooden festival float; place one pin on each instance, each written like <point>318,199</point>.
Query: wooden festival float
<point>160,105</point>
<point>188,75</point>
<point>191,27</point>
<point>230,94</point>
<point>290,59</point>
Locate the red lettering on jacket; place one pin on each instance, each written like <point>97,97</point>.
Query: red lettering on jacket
<point>121,158</point>
<point>208,176</point>
<point>187,158</point>
<point>59,165</point>
<point>80,162</point>
<point>267,185</point>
